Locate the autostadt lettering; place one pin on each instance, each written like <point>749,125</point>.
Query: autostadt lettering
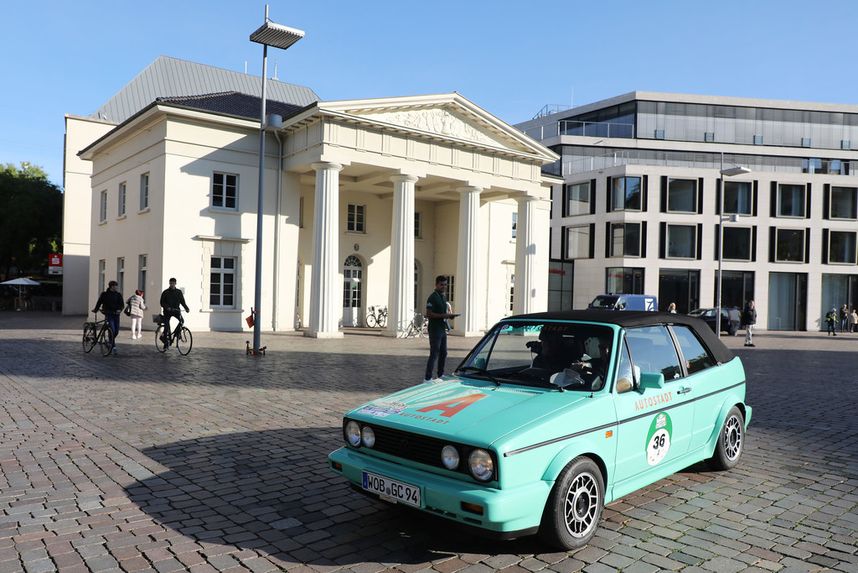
<point>652,401</point>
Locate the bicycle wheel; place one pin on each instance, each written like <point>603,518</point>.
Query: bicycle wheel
<point>159,344</point>
<point>371,321</point>
<point>382,320</point>
<point>184,341</point>
<point>105,341</point>
<point>89,338</point>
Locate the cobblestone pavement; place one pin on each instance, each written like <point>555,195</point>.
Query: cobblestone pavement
<point>217,462</point>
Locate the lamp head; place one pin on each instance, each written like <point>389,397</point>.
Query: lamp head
<point>277,35</point>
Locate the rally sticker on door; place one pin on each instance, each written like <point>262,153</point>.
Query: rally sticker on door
<point>658,438</point>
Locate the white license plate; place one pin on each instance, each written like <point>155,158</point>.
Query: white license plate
<point>392,490</point>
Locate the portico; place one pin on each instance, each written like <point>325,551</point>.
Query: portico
<point>446,178</point>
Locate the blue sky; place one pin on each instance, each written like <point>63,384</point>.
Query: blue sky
<point>509,57</point>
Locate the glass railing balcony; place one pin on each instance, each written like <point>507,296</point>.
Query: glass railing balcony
<point>585,128</point>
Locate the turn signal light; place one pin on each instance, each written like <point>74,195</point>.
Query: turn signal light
<point>337,466</point>
<point>472,507</point>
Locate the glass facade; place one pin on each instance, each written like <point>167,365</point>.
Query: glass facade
<point>626,194</point>
<point>790,201</point>
<point>841,247</point>
<point>560,280</point>
<point>681,241</point>
<point>578,242</point>
<point>624,280</point>
<point>737,244</point>
<point>682,195</point>
<point>625,240</point>
<point>843,203</point>
<point>738,197</point>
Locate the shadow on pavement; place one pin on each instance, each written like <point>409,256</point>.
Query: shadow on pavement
<point>271,491</point>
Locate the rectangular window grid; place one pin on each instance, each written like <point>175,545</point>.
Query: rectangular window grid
<point>791,200</point>
<point>682,196</point>
<point>102,207</point>
<point>681,241</point>
<point>841,247</point>
<point>222,282</point>
<point>789,245</point>
<point>578,242</point>
<point>121,199</point>
<point>144,191</point>
<point>738,197</point>
<point>578,199</point>
<point>418,230</point>
<point>356,220</point>
<point>625,240</point>
<point>102,271</point>
<point>225,190</point>
<point>844,203</point>
<point>120,273</point>
<point>142,267</point>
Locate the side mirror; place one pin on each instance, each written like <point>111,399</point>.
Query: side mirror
<point>653,380</point>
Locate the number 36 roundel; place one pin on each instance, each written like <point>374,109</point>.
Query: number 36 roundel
<point>658,438</point>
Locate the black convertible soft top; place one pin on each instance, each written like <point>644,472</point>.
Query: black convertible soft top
<point>632,318</point>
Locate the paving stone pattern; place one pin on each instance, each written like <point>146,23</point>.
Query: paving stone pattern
<point>217,462</point>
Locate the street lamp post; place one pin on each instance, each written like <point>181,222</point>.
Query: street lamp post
<point>278,36</point>
<point>729,172</point>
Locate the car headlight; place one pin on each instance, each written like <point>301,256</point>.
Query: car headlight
<point>368,436</point>
<point>450,457</point>
<point>482,466</point>
<point>353,433</point>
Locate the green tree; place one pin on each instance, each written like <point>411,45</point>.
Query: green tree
<point>31,213</point>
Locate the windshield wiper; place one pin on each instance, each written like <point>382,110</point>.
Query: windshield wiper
<point>478,370</point>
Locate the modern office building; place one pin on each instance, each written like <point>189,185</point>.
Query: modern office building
<point>365,202</point>
<point>650,185</point>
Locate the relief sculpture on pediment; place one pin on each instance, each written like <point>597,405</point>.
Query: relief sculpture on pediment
<point>438,121</point>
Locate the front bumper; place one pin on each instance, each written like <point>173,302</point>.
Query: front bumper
<point>509,512</point>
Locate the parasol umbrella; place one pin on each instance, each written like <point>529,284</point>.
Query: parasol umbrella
<point>20,283</point>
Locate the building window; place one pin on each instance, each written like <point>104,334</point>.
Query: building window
<point>418,228</point>
<point>578,242</point>
<point>812,165</point>
<point>356,221</point>
<point>514,223</point>
<point>626,194</point>
<point>120,211</point>
<point>625,239</point>
<point>222,282</point>
<point>225,190</point>
<point>624,280</point>
<point>709,136</point>
<point>758,140</point>
<point>659,134</point>
<point>844,203</point>
<point>682,195</point>
<point>738,197</point>
<point>102,207</point>
<point>560,281</point>
<point>142,267</point>
<point>102,272</point>
<point>451,288</point>
<point>789,245</point>
<point>791,201</point>
<point>805,142</point>
<point>120,273</point>
<point>681,241</point>
<point>578,199</point>
<point>737,244</point>
<point>301,213</point>
<point>845,144</point>
<point>841,247</point>
<point>144,191</point>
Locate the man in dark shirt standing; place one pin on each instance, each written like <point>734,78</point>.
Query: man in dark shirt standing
<point>111,303</point>
<point>436,312</point>
<point>171,299</point>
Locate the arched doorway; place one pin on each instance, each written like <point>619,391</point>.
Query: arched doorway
<point>352,291</point>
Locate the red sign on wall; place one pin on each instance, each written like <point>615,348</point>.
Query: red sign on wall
<point>55,264</point>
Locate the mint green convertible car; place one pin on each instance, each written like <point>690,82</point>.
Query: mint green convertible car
<point>550,417</point>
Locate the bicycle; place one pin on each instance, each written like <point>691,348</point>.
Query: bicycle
<point>181,335</point>
<point>377,316</point>
<point>416,328</point>
<point>100,333</point>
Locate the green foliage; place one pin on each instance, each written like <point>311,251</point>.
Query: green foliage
<point>31,211</point>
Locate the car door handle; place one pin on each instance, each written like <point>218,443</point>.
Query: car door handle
<point>684,390</point>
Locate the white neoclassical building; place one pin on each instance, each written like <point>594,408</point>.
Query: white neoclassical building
<point>366,201</point>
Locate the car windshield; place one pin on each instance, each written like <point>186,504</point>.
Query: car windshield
<point>567,355</point>
<point>604,302</point>
<point>707,312</point>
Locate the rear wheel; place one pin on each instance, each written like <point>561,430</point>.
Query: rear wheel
<point>731,441</point>
<point>184,341</point>
<point>159,343</point>
<point>574,507</point>
<point>105,341</point>
<point>371,321</point>
<point>90,337</point>
<point>382,320</point>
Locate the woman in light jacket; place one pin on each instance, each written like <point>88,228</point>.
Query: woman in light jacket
<point>138,305</point>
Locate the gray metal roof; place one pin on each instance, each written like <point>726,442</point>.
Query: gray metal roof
<point>233,104</point>
<point>171,77</point>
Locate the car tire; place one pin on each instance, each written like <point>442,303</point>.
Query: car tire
<point>731,441</point>
<point>580,488</point>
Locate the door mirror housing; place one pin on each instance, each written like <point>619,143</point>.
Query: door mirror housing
<point>654,380</point>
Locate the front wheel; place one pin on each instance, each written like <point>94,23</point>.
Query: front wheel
<point>382,321</point>
<point>574,507</point>
<point>159,342</point>
<point>105,341</point>
<point>371,321</point>
<point>185,341</point>
<point>90,337</point>
<point>731,441</point>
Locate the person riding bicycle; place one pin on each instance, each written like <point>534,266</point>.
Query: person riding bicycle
<point>171,299</point>
<point>111,303</point>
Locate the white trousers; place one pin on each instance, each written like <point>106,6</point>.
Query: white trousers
<point>749,334</point>
<point>136,326</point>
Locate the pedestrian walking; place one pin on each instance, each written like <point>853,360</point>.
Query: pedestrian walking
<point>844,318</point>
<point>135,306</point>
<point>671,308</point>
<point>111,303</point>
<point>853,319</point>
<point>437,313</point>
<point>830,321</point>
<point>749,319</point>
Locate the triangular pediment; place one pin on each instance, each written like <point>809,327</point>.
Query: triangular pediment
<point>447,116</point>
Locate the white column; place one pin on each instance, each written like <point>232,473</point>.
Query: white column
<point>531,256</point>
<point>325,286</point>
<point>469,294</point>
<point>401,298</point>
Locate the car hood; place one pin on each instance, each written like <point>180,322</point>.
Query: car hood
<point>465,410</point>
